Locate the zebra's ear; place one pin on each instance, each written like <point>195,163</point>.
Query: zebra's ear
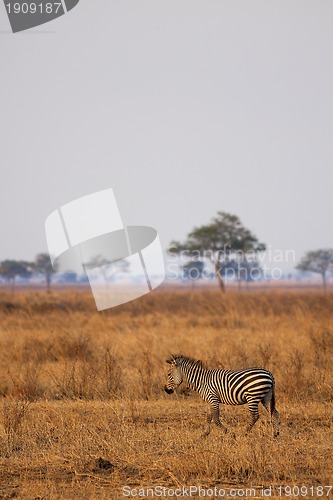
<point>170,360</point>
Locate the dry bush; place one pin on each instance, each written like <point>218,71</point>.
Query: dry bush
<point>14,411</point>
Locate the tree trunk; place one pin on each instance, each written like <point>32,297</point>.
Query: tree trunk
<point>324,280</point>
<point>48,282</point>
<point>219,277</point>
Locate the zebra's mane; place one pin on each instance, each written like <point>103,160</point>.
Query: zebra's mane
<point>180,359</point>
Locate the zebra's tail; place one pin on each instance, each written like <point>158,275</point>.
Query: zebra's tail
<point>274,414</point>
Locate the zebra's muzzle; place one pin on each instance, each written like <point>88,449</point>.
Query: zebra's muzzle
<point>168,391</point>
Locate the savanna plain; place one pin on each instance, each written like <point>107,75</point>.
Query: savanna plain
<point>83,413</point>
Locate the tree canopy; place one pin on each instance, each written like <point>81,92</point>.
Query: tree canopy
<point>225,240</point>
<point>10,269</point>
<point>318,261</point>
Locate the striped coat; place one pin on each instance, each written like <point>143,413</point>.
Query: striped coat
<point>232,387</point>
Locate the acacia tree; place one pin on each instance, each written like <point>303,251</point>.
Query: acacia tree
<point>108,269</point>
<point>193,269</point>
<point>10,269</point>
<point>44,266</point>
<point>318,261</point>
<point>225,241</point>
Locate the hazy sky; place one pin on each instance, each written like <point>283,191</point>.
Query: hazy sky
<point>183,107</point>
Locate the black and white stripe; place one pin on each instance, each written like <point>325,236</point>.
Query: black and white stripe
<point>232,387</point>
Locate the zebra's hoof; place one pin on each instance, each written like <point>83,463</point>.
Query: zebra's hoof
<point>168,391</point>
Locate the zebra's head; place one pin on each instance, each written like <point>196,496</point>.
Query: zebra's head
<point>175,377</point>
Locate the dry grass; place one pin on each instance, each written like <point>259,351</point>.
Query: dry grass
<point>83,411</point>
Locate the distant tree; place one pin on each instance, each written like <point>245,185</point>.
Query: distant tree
<point>223,241</point>
<point>241,268</point>
<point>193,269</point>
<point>318,261</point>
<point>108,269</point>
<point>10,269</point>
<point>69,277</point>
<point>44,266</point>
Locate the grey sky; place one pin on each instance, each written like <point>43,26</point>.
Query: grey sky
<point>183,107</point>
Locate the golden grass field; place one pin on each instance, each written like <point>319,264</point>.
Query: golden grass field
<point>83,412</point>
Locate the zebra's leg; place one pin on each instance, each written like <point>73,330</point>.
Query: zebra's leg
<point>254,412</point>
<point>209,421</point>
<point>215,415</point>
<point>265,404</point>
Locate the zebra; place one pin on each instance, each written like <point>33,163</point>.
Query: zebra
<point>232,387</point>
